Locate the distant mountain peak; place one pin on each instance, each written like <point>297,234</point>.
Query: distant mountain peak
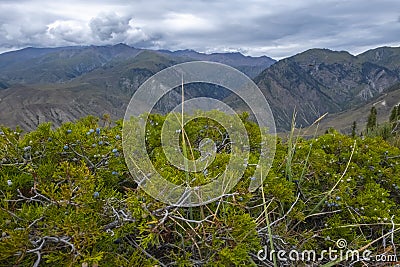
<point>63,83</point>
<point>317,81</point>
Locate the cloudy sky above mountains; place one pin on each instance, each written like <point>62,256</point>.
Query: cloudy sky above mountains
<point>254,27</point>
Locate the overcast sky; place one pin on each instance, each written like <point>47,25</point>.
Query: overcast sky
<point>276,28</point>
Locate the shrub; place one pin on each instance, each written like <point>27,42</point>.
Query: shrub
<point>65,201</point>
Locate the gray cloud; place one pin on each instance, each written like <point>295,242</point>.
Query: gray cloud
<point>275,28</point>
<point>108,26</point>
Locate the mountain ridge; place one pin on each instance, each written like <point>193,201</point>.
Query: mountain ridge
<point>321,80</point>
<point>313,82</point>
<point>110,73</point>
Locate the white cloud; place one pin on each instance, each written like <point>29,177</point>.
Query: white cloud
<point>186,23</point>
<point>67,32</point>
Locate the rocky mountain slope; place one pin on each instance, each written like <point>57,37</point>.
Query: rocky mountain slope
<point>383,103</point>
<point>62,84</point>
<point>251,66</point>
<point>319,80</point>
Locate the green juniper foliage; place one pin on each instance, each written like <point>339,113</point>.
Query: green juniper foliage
<point>68,199</point>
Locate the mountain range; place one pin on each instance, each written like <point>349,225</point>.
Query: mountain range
<point>320,80</point>
<point>65,83</point>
